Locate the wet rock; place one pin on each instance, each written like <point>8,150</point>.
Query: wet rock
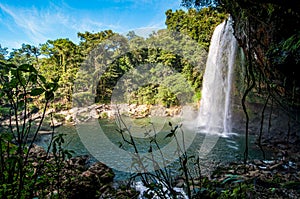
<point>257,162</point>
<point>179,182</point>
<point>77,179</point>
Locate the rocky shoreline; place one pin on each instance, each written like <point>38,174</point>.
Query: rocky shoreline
<point>103,111</point>
<point>267,179</point>
<point>55,118</point>
<point>262,174</point>
<point>264,179</point>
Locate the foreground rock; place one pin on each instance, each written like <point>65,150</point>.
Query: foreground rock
<point>260,179</point>
<point>74,178</point>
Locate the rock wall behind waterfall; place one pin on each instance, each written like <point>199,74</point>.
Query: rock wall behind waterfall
<point>269,31</point>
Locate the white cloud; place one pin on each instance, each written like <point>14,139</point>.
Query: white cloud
<point>12,44</point>
<point>40,25</point>
<point>87,24</point>
<point>28,20</point>
<point>147,30</point>
<point>37,25</point>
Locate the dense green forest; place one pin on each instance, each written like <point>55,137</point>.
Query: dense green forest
<point>106,56</point>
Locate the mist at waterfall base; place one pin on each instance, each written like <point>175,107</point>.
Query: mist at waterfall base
<point>214,117</point>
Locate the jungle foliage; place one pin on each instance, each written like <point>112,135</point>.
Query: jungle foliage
<point>91,69</point>
<point>58,70</point>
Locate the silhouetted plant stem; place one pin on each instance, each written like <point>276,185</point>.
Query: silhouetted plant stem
<point>251,84</point>
<point>160,181</point>
<point>261,127</point>
<point>131,142</point>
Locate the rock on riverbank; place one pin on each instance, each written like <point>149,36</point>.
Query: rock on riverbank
<point>104,111</point>
<point>75,177</point>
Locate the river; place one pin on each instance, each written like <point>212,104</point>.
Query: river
<point>226,149</point>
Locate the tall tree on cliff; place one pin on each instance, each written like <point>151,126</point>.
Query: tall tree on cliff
<point>62,63</point>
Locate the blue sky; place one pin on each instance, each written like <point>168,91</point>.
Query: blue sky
<point>35,21</point>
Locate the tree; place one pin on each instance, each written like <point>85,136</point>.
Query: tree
<point>3,53</point>
<point>20,86</point>
<point>27,54</point>
<point>63,63</point>
<point>198,24</point>
<point>89,41</point>
<point>93,57</point>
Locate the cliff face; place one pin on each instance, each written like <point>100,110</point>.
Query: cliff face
<point>269,33</point>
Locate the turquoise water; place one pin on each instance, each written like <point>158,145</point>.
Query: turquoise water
<point>229,148</point>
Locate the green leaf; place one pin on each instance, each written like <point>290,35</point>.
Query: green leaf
<point>24,68</point>
<point>32,69</point>
<point>49,95</point>
<point>233,178</point>
<point>33,78</point>
<point>42,78</point>
<point>37,91</point>
<point>21,103</point>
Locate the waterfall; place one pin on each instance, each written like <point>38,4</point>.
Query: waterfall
<point>215,106</point>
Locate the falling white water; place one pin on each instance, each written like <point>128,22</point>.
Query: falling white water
<point>215,105</point>
<point>214,117</point>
